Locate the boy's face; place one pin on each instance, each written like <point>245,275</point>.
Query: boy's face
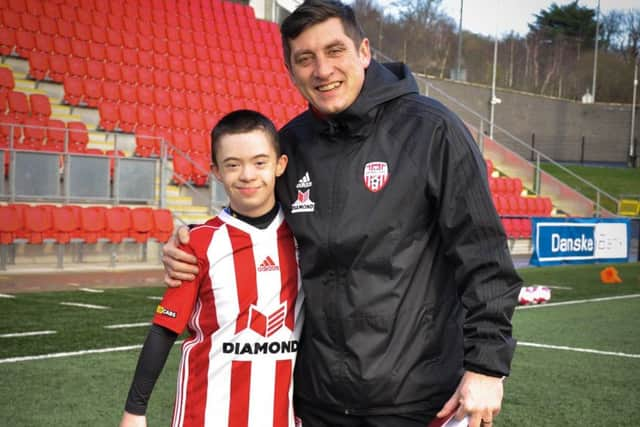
<point>326,66</point>
<point>247,166</point>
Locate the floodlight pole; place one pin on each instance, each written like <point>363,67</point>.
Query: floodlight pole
<point>459,61</point>
<point>494,100</point>
<point>632,148</point>
<point>595,53</point>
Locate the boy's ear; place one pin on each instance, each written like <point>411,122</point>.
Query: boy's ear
<point>281,164</point>
<point>216,171</point>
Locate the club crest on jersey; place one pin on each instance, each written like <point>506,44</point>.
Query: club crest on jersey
<point>303,202</point>
<point>267,324</point>
<point>376,175</point>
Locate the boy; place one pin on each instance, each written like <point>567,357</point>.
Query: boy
<point>244,309</point>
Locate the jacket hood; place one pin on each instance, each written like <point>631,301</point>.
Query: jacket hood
<point>382,83</point>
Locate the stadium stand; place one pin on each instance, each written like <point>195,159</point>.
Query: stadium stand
<point>152,70</point>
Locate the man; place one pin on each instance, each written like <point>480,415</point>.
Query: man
<point>244,309</point>
<point>408,281</point>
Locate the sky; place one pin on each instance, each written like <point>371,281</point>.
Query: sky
<point>479,16</point>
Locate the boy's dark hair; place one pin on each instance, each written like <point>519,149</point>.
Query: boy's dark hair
<point>243,121</point>
<point>313,12</point>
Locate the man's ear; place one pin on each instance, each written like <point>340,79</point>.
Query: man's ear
<point>281,164</point>
<point>364,52</point>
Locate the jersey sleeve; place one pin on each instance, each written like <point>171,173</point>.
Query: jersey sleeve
<point>177,304</point>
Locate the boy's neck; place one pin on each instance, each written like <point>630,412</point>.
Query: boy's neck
<point>260,222</point>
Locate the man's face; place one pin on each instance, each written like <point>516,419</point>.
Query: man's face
<point>326,66</point>
<point>247,166</point>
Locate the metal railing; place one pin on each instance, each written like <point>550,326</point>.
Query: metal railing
<point>507,156</point>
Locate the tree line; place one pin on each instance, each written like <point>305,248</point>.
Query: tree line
<point>554,58</point>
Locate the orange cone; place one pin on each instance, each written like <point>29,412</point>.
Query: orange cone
<point>609,276</point>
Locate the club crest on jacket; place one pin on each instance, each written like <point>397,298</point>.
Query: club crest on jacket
<point>376,175</point>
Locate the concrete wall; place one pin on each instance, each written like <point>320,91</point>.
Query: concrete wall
<point>560,126</point>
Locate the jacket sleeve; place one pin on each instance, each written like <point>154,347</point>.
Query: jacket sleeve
<point>476,245</point>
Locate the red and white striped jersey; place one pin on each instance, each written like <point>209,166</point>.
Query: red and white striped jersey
<point>244,315</point>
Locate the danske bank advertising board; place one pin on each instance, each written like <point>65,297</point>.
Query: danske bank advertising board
<point>576,240</point>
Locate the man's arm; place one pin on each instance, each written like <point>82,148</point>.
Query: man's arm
<point>178,265</point>
<point>477,395</point>
<point>487,282</point>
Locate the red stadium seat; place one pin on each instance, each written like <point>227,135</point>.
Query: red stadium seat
<point>95,69</point>
<point>146,119</point>
<point>92,92</point>
<point>182,169</point>
<point>110,91</point>
<point>128,114</point>
<point>25,43</point>
<point>38,223</point>
<point>547,206</point>
<point>81,31</point>
<point>200,169</point>
<point>118,223</point>
<point>78,136</point>
<point>181,143</point>
<point>18,105</point>
<point>145,94</point>
<point>56,130</point>
<point>7,41</point>
<point>163,225</point>
<point>11,221</point>
<point>109,116</point>
<point>141,224</point>
<point>40,105</point>
<point>7,82</point>
<point>112,72</point>
<point>34,133</point>
<point>162,97</point>
<point>66,223</point>
<point>93,223</point>
<point>77,66</point>
<point>10,131</point>
<point>73,90</point>
<point>144,145</point>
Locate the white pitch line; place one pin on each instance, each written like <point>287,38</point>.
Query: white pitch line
<point>26,334</point>
<point>155,298</point>
<point>73,353</point>
<point>7,296</point>
<point>77,304</point>
<point>127,325</point>
<point>579,350</point>
<point>578,301</point>
<point>93,291</point>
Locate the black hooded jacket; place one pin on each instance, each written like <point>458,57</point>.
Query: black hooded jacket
<point>404,261</point>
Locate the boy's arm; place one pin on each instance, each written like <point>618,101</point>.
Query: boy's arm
<point>130,420</point>
<point>150,363</point>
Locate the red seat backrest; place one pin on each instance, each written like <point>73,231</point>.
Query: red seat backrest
<point>163,224</point>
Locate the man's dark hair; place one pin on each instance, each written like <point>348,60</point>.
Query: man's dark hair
<point>313,12</point>
<point>243,121</point>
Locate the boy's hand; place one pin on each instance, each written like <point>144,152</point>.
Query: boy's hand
<point>178,265</point>
<point>130,420</point>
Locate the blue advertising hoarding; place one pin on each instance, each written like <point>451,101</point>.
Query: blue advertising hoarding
<point>580,240</point>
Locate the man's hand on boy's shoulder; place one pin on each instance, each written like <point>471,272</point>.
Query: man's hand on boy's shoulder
<point>178,264</point>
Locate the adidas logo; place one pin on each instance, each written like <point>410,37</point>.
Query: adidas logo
<point>304,182</point>
<point>268,265</point>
